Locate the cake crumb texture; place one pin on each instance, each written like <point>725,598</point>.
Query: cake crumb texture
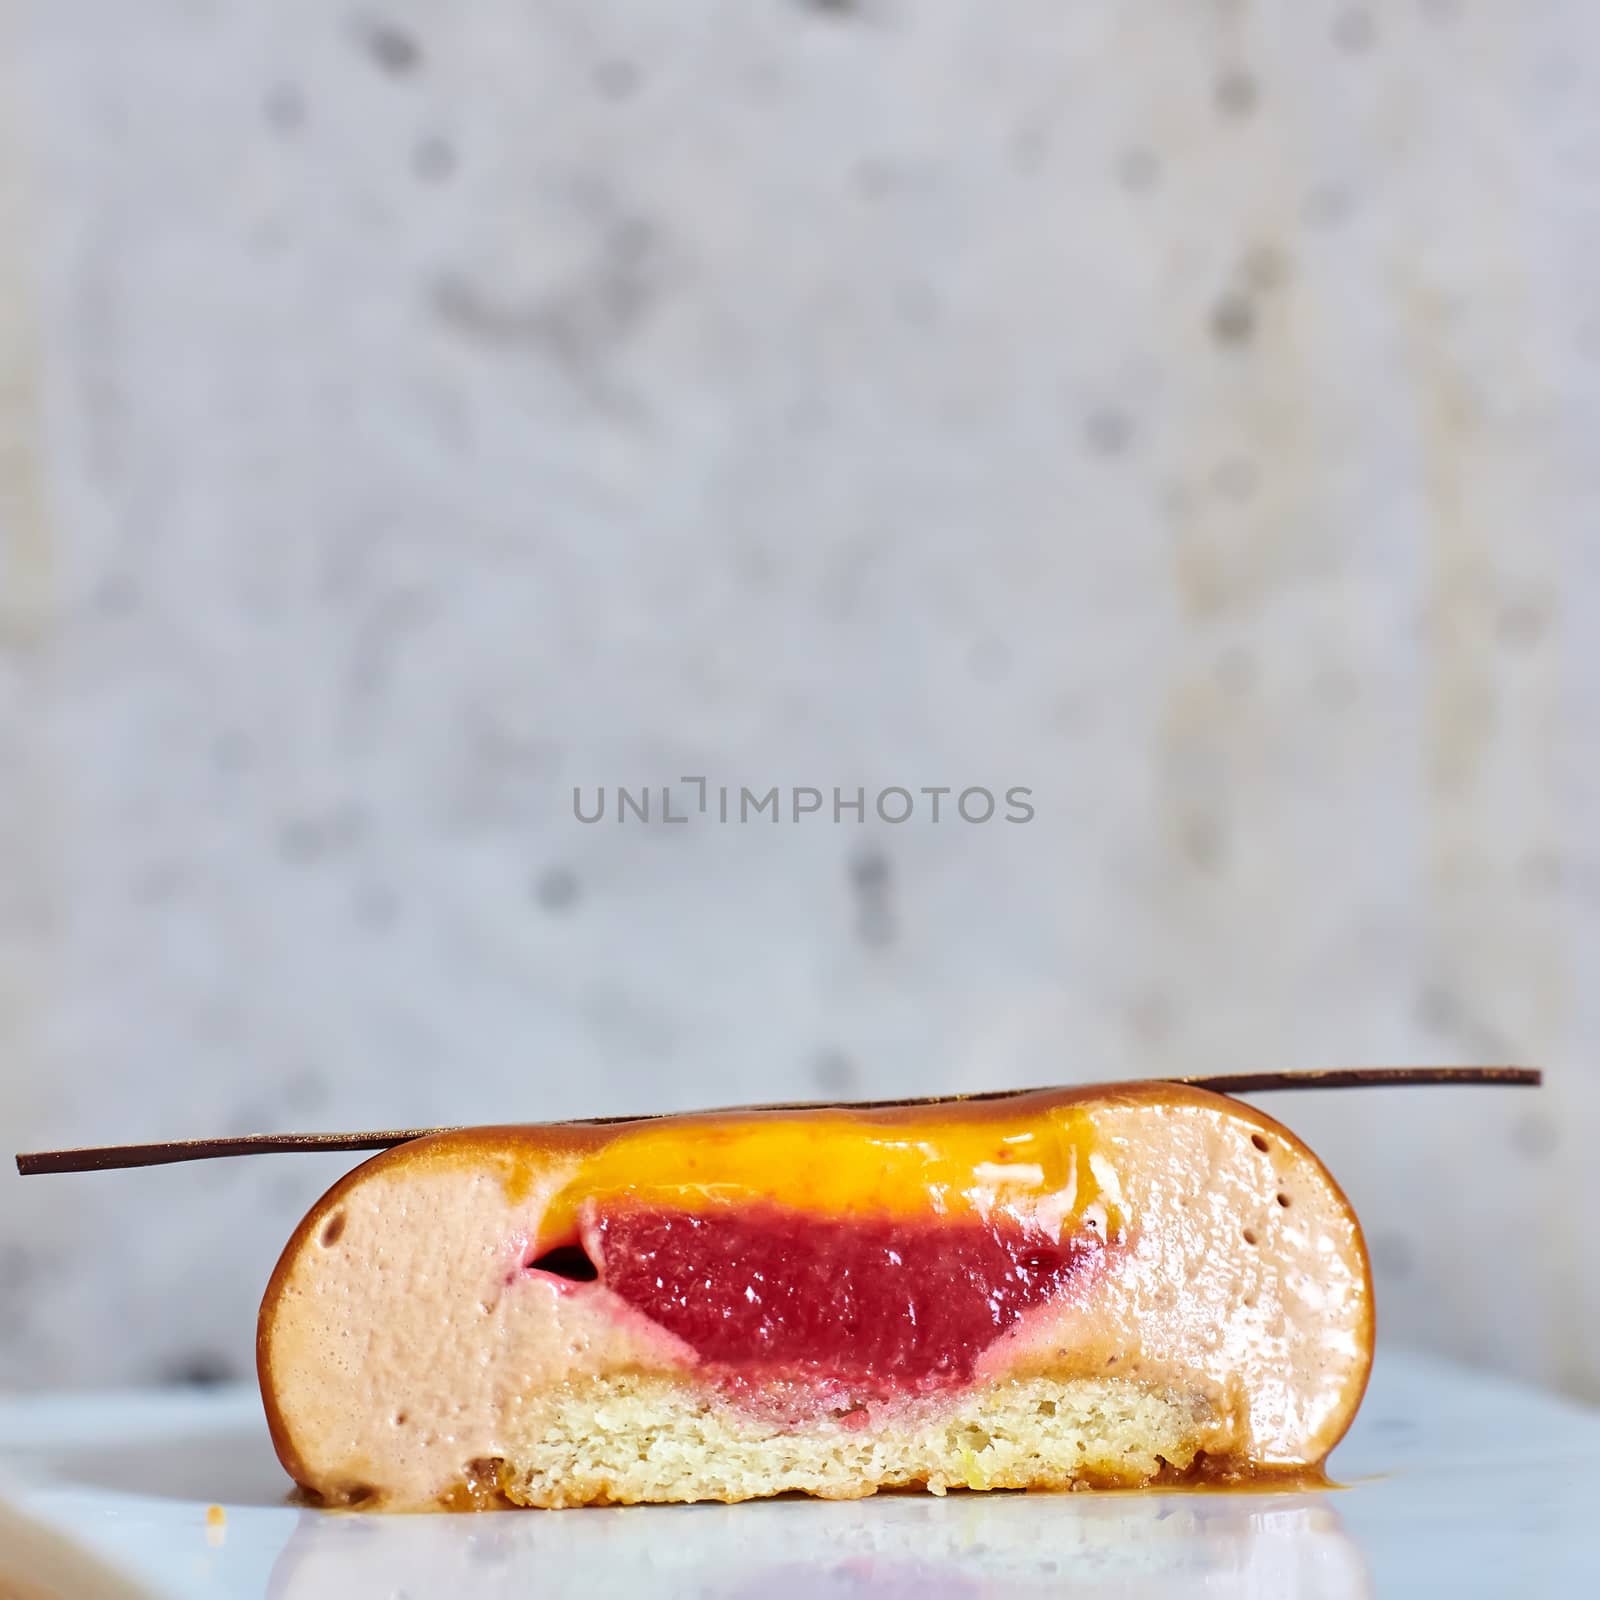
<point>630,1438</point>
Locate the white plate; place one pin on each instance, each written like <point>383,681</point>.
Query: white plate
<point>1459,1484</point>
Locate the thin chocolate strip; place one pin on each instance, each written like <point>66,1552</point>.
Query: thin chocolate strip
<point>101,1158</point>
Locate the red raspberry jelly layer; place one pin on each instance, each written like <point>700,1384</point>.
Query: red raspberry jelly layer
<point>892,1302</point>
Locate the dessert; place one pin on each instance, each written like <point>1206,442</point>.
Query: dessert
<point>1100,1287</point>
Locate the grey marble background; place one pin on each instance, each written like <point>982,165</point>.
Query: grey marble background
<point>409,412</point>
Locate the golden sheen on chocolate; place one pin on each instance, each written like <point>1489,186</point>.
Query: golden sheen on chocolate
<point>1107,1287</point>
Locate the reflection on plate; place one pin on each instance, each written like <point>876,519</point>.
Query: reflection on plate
<point>897,1547</point>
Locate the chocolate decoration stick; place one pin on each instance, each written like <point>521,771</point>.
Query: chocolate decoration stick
<point>102,1158</point>
<point>1365,1078</point>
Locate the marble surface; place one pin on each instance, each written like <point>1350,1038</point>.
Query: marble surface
<point>1456,1484</point>
<point>409,413</point>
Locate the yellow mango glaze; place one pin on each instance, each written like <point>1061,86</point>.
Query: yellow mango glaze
<point>1042,1168</point>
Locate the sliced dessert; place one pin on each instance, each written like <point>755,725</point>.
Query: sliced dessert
<point>1107,1287</point>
